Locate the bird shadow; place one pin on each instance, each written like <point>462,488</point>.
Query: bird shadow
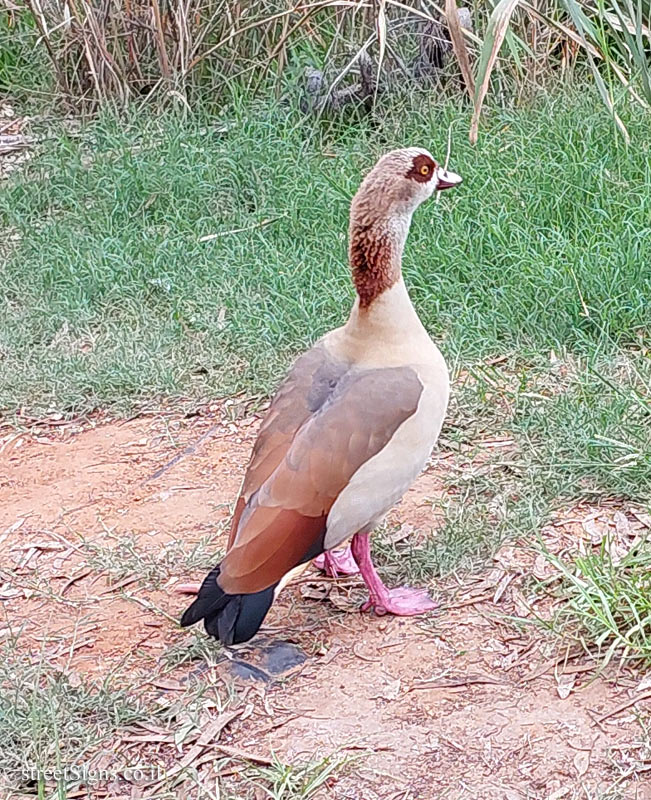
<point>266,661</point>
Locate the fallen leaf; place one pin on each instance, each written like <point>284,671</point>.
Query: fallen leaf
<point>502,586</point>
<point>622,525</point>
<point>6,592</point>
<point>345,601</point>
<point>17,524</point>
<point>595,531</point>
<point>212,731</point>
<point>399,534</point>
<point>582,762</point>
<point>559,793</point>
<point>643,518</point>
<point>565,684</point>
<point>445,681</point>
<point>315,591</point>
<point>522,605</point>
<point>74,679</point>
<point>41,545</point>
<point>541,568</point>
<point>183,732</point>
<point>167,685</point>
<point>237,753</point>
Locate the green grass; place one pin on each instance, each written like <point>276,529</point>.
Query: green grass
<point>126,557</point>
<point>50,718</point>
<point>580,431</point>
<point>281,781</point>
<point>606,604</point>
<point>25,73</point>
<point>109,297</point>
<point>576,431</point>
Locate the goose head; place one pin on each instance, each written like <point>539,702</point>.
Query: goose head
<point>399,182</point>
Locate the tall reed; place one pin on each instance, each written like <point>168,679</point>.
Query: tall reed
<point>115,51</point>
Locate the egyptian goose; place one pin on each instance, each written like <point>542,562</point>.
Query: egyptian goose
<point>349,429</point>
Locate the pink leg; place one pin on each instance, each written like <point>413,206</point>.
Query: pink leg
<point>404,602</point>
<point>337,562</point>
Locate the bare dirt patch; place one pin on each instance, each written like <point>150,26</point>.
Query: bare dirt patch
<point>97,524</point>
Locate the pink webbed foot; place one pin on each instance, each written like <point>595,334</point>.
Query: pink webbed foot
<point>337,562</point>
<point>403,602</point>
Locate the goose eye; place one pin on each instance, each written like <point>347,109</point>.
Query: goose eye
<point>424,170</point>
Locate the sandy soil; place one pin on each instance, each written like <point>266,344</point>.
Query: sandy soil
<point>461,704</point>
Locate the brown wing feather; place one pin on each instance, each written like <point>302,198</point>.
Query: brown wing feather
<point>311,379</point>
<point>282,521</point>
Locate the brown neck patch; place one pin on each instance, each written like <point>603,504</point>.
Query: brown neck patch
<point>372,263</point>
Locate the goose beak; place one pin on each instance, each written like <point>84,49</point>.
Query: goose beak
<point>447,179</point>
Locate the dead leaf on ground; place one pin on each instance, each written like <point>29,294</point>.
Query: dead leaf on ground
<point>582,762</point>
<point>541,567</point>
<point>7,592</point>
<point>642,517</point>
<point>167,685</point>
<point>316,591</point>
<point>74,679</point>
<point>596,530</point>
<point>449,681</point>
<point>213,729</point>
<point>349,602</point>
<point>565,684</point>
<point>502,586</point>
<point>559,793</point>
<point>390,691</point>
<point>341,598</point>
<point>399,534</point>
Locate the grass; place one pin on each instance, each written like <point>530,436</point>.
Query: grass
<point>89,60</point>
<point>126,557</point>
<point>578,431</point>
<point>605,602</point>
<point>49,719</point>
<point>281,781</point>
<point>111,297</point>
<point>24,69</point>
<point>53,718</point>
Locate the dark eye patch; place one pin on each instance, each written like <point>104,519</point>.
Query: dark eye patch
<point>422,168</point>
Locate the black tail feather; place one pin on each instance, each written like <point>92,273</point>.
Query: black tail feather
<point>231,618</point>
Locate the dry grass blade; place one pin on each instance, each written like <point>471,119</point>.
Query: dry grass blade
<point>41,23</point>
<point>117,52</point>
<point>632,32</point>
<point>381,24</point>
<point>160,40</point>
<point>497,27</point>
<point>580,21</point>
<point>266,21</point>
<point>573,36</point>
<point>459,45</point>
